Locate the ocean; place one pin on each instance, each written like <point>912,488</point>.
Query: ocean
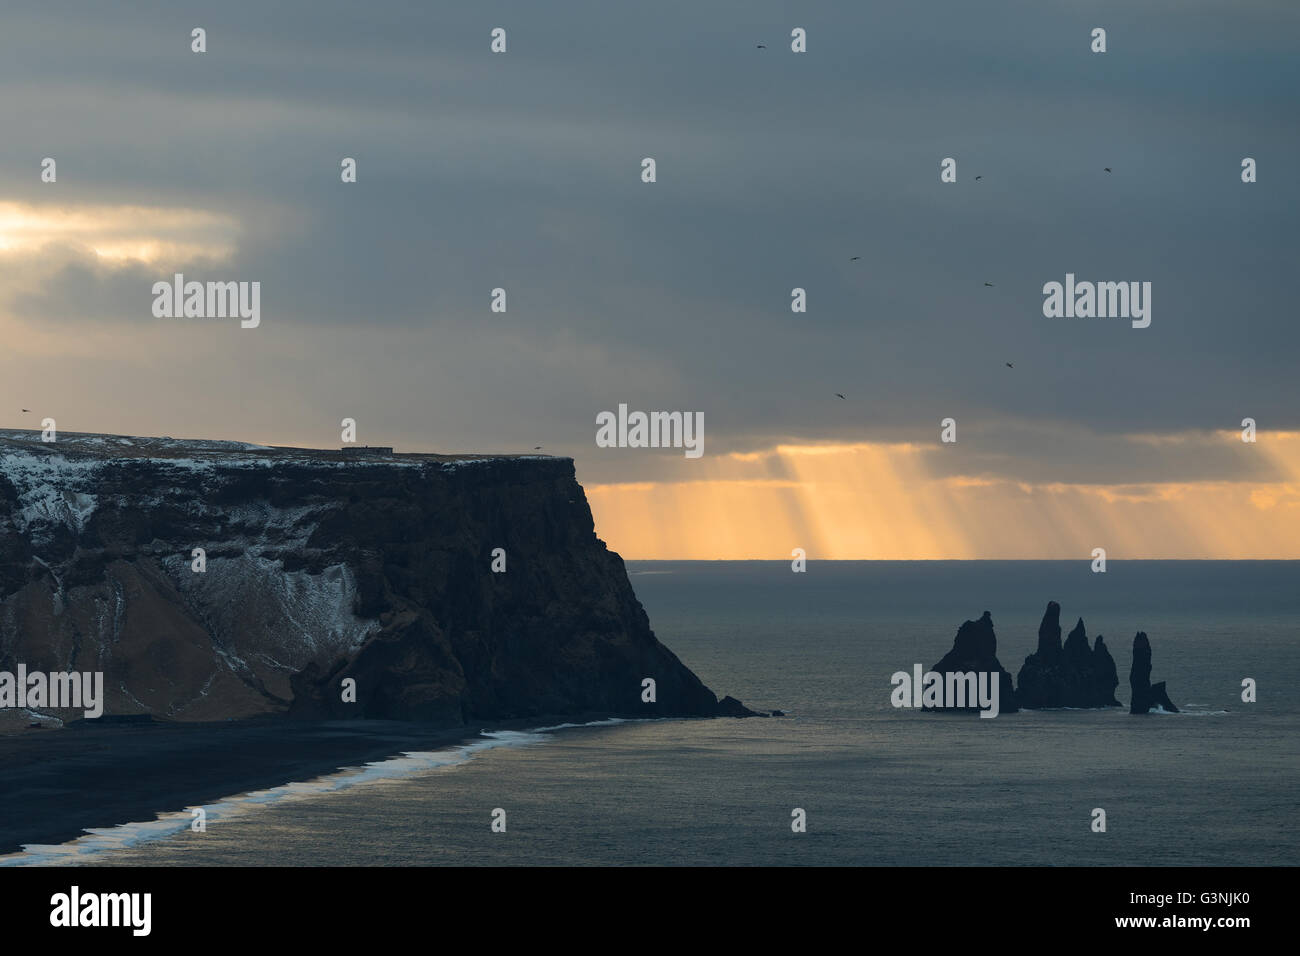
<point>1213,785</point>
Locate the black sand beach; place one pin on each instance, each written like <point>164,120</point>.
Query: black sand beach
<point>58,783</point>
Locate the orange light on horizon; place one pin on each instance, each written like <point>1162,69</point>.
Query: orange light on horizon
<point>879,501</point>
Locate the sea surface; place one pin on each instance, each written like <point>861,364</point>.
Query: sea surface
<point>1218,784</point>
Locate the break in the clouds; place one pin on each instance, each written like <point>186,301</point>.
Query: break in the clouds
<point>521,171</point>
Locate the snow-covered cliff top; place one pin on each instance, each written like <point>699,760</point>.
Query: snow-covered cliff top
<point>201,451</point>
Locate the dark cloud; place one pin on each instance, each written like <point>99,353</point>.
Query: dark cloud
<point>522,171</point>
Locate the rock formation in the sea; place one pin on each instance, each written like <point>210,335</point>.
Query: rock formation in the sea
<point>975,649</point>
<point>316,567</point>
<point>1107,676</point>
<point>1145,694</point>
<point>1075,675</point>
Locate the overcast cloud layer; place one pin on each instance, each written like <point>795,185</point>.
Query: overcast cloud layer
<point>522,171</point>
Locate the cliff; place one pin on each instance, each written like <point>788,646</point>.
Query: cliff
<point>319,567</point>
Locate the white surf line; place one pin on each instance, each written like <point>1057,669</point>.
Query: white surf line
<point>99,841</point>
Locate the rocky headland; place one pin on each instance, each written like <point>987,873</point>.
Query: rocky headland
<point>216,580</point>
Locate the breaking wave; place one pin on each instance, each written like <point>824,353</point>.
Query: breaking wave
<point>103,840</point>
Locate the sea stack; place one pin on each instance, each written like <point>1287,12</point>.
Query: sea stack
<point>1145,694</point>
<point>1075,675</point>
<point>975,649</point>
<point>1107,675</point>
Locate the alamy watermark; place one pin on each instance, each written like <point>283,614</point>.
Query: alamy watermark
<point>63,689</point>
<point>651,430</point>
<point>1102,300</point>
<point>75,909</point>
<point>208,300</point>
<point>959,690</point>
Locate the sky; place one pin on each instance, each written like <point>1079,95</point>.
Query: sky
<point>522,170</point>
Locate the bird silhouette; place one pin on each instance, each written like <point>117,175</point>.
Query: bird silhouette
<point>978,178</point>
<point>537,448</point>
<point>761,47</point>
<point>27,409</point>
<point>989,284</point>
<point>841,396</point>
<point>1009,365</point>
<point>1107,168</point>
<point>854,258</point>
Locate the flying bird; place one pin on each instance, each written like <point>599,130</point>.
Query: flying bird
<point>978,178</point>
<point>1107,168</point>
<point>761,47</point>
<point>1009,365</point>
<point>854,258</point>
<point>537,448</point>
<point>27,409</point>
<point>841,396</point>
<point>989,284</point>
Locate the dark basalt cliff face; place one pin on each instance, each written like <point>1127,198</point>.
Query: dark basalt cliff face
<point>975,649</point>
<point>321,567</point>
<point>1073,675</point>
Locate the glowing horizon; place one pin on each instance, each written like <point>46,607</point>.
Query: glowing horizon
<point>879,501</point>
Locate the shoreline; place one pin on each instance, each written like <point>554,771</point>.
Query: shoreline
<point>60,784</point>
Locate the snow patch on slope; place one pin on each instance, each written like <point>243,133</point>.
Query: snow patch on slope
<point>285,619</point>
<point>52,490</point>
